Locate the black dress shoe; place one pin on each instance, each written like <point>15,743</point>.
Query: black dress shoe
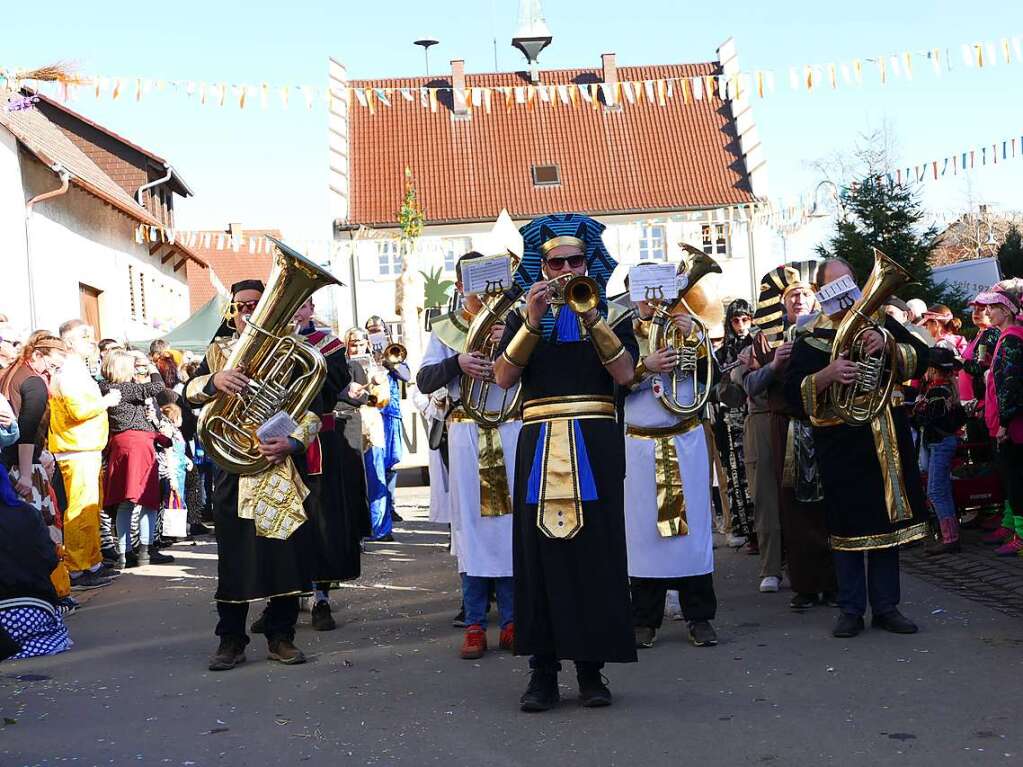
<point>847,626</point>
<point>593,689</point>
<point>804,601</point>
<point>938,548</point>
<point>829,599</point>
<point>895,622</point>
<point>542,693</point>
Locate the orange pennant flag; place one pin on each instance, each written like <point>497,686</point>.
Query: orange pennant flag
<point>594,95</point>
<point>573,93</point>
<point>709,81</point>
<point>684,85</point>
<point>660,93</point>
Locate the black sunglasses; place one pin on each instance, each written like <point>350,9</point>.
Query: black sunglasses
<point>558,262</point>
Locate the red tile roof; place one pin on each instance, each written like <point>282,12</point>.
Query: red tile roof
<point>229,265</point>
<point>639,158</point>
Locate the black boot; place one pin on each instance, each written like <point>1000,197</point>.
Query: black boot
<point>259,625</point>
<point>542,693</point>
<point>593,690</point>
<point>229,654</point>
<point>847,626</point>
<point>322,620</point>
<point>155,556</point>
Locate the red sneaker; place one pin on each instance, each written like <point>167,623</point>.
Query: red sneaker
<point>1011,548</point>
<point>475,642</point>
<point>508,637</point>
<point>995,537</point>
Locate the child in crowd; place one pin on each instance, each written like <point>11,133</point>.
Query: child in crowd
<point>939,415</point>
<point>174,461</point>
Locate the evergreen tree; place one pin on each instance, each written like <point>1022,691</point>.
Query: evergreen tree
<point>1010,253</point>
<point>877,214</point>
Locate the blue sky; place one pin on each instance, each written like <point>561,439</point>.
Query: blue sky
<point>269,168</point>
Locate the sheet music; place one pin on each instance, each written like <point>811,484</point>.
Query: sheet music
<point>486,275</point>
<point>653,282</point>
<point>280,424</point>
<point>838,295</point>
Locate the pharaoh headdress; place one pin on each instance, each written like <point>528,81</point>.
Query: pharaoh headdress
<point>542,234</point>
<point>770,314</point>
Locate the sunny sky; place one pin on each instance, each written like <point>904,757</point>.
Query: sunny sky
<point>269,168</point>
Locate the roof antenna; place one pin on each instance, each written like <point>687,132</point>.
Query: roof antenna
<point>532,36</point>
<point>425,44</point>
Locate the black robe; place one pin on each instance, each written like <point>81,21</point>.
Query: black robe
<point>854,493</point>
<point>572,596</point>
<point>351,447</point>
<point>252,567</point>
<point>337,525</point>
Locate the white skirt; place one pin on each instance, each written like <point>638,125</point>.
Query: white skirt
<point>650,555</point>
<point>483,544</point>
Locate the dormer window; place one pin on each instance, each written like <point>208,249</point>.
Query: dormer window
<point>546,175</point>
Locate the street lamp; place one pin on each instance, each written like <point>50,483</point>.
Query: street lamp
<point>425,44</point>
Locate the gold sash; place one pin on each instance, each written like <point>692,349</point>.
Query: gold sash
<point>559,513</point>
<point>495,497</point>
<point>886,445</point>
<point>273,500</point>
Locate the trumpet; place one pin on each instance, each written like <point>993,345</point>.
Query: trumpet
<point>664,334</point>
<point>579,292</point>
<point>392,354</point>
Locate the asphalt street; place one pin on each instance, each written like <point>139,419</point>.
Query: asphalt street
<point>388,687</point>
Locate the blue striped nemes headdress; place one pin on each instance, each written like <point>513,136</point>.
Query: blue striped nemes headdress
<point>542,234</point>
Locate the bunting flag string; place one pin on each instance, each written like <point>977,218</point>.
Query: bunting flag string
<point>652,92</point>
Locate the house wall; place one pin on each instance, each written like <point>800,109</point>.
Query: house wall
<point>13,265</point>
<point>77,239</point>
<point>357,263</point>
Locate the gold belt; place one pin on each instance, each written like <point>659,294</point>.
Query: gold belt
<point>459,416</point>
<point>557,408</point>
<point>660,432</point>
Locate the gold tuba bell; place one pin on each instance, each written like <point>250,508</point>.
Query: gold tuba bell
<point>664,334</point>
<point>577,291</point>
<point>285,373</point>
<point>864,399</point>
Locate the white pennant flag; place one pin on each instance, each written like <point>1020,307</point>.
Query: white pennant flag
<point>697,83</point>
<point>650,91</point>
<point>477,97</point>
<point>383,96</point>
<point>627,90</point>
<point>360,96</point>
<point>563,93</point>
<point>520,95</point>
<point>406,94</point>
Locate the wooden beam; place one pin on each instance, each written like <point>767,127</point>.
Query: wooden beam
<point>168,256</point>
<point>182,262</point>
<point>154,248</point>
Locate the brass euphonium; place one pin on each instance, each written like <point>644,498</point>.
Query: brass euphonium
<point>664,334</point>
<point>865,398</point>
<point>285,373</point>
<point>475,393</point>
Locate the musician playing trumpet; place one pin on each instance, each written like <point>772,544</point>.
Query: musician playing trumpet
<point>397,373</point>
<point>480,464</point>
<point>872,492</point>
<point>570,351</point>
<point>668,513</point>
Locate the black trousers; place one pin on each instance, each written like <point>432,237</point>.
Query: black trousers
<point>1010,459</point>
<point>695,594</point>
<point>879,580</point>
<point>280,616</point>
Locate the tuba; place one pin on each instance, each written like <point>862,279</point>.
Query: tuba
<point>862,401</point>
<point>285,372</point>
<point>476,393</point>
<point>664,334</point>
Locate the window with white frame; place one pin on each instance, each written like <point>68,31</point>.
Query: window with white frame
<point>716,239</point>
<point>454,248</point>
<point>388,258</point>
<point>651,242</point>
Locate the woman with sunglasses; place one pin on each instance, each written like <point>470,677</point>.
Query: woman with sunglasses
<point>251,565</point>
<point>569,556</point>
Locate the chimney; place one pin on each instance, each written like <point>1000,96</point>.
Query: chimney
<point>607,61</point>
<point>458,88</point>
